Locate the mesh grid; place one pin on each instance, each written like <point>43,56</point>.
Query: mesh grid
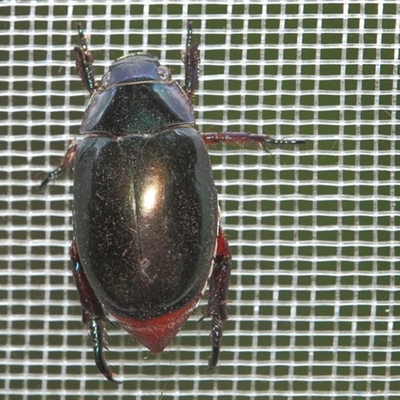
<point>313,311</point>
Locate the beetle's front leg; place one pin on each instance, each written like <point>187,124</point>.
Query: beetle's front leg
<point>191,61</point>
<point>218,295</point>
<point>66,164</point>
<point>84,63</point>
<point>92,314</point>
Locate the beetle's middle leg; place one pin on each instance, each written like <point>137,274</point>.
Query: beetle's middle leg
<point>243,139</point>
<point>218,295</point>
<point>66,164</point>
<point>92,313</point>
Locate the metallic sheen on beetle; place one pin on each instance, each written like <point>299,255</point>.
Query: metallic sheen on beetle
<point>147,232</point>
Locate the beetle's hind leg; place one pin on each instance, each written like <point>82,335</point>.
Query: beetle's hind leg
<point>218,295</point>
<point>92,314</point>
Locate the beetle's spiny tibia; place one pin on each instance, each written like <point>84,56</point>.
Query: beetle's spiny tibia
<point>244,139</point>
<point>66,164</point>
<point>84,63</point>
<point>92,313</point>
<point>218,295</point>
<point>99,339</point>
<point>279,142</point>
<point>191,61</point>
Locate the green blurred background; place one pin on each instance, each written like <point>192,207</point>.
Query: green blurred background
<point>313,310</point>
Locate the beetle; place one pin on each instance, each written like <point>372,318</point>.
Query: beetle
<point>147,230</point>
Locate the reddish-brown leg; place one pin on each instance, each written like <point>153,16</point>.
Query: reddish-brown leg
<point>243,139</point>
<point>84,63</point>
<point>84,66</point>
<point>93,314</point>
<point>218,296</point>
<point>66,164</point>
<point>191,61</point>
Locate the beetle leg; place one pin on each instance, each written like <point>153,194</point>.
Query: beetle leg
<point>191,61</point>
<point>243,139</point>
<point>84,63</point>
<point>66,164</point>
<point>92,314</point>
<point>218,296</point>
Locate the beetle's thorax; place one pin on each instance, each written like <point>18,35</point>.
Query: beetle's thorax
<point>137,95</point>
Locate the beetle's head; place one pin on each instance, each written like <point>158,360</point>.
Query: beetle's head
<point>142,67</point>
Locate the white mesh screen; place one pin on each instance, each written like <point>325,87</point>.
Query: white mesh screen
<point>313,310</point>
